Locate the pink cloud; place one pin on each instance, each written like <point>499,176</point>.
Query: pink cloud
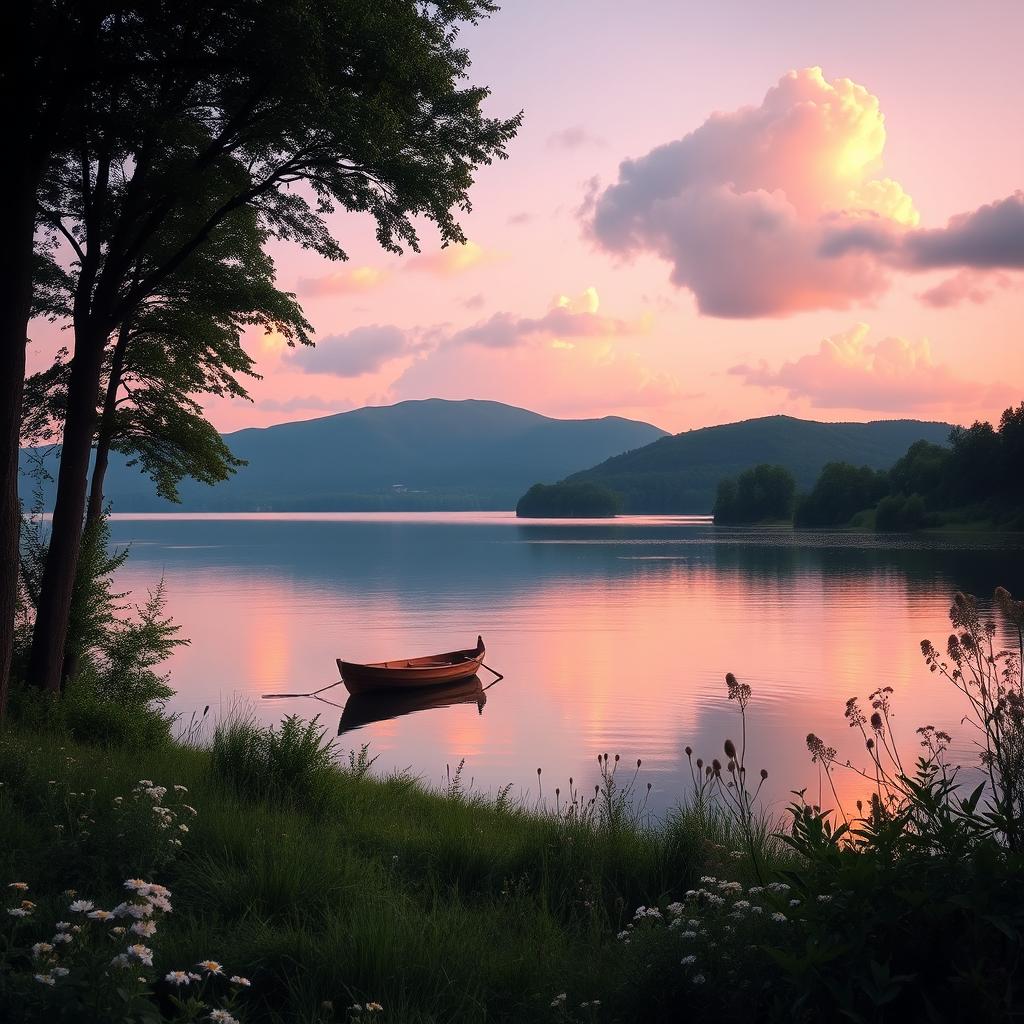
<point>454,259</point>
<point>345,281</point>
<point>964,286</point>
<point>779,208</point>
<point>894,375</point>
<point>360,351</point>
<point>574,137</point>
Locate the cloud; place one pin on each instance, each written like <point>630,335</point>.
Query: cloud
<point>520,218</point>
<point>964,286</point>
<point>895,375</point>
<point>454,259</point>
<point>346,281</point>
<point>573,137</point>
<point>362,350</point>
<point>567,318</point>
<point>782,207</point>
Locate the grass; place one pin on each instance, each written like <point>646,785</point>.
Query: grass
<point>440,907</point>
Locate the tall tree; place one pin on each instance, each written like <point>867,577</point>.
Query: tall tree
<point>370,117</point>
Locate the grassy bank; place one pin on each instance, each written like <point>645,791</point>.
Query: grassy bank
<point>438,906</point>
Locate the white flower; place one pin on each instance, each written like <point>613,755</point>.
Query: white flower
<point>18,912</point>
<point>223,1017</point>
<point>778,887</point>
<point>145,782</point>
<point>559,1000</point>
<point>191,810</point>
<point>121,960</point>
<point>100,915</point>
<point>60,972</point>
<point>374,1007</point>
<point>180,789</point>
<point>81,906</point>
<point>756,890</point>
<point>62,937</point>
<point>687,935</point>
<point>675,909</point>
<point>40,948</point>
<point>137,885</point>
<point>20,886</point>
<point>147,929</point>
<point>177,977</point>
<point>623,935</point>
<point>141,953</point>
<point>824,899</point>
<point>742,905</point>
<point>63,926</point>
<point>698,979</point>
<point>44,979</point>
<point>757,910</point>
<point>794,903</point>
<point>237,979</point>
<point>211,966</point>
<point>160,903</point>
<point>156,792</point>
<point>779,917</point>
<point>183,828</point>
<point>136,910</point>
<point>687,960</point>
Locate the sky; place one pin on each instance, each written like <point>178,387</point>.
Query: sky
<point>712,212</point>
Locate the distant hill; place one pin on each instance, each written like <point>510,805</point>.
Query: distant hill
<point>679,473</point>
<point>418,455</point>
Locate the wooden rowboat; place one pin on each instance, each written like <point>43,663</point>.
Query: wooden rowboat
<point>383,705</point>
<point>406,673</point>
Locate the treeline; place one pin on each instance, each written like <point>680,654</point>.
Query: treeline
<point>568,500</point>
<point>160,148</point>
<point>977,479</point>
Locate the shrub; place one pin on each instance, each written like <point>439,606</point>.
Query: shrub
<point>290,761</point>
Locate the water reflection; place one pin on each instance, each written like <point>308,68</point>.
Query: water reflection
<point>612,637</point>
<point>364,709</point>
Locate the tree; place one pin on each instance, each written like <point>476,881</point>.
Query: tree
<point>839,493</point>
<point>761,494</point>
<point>371,118</point>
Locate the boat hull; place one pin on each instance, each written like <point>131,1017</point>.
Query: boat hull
<point>412,673</point>
<point>383,705</point>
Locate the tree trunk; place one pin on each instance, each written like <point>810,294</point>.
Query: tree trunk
<point>106,430</point>
<point>52,615</point>
<point>16,226</point>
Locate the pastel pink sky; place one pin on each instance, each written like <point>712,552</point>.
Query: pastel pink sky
<point>709,214</point>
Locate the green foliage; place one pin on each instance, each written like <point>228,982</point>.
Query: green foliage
<point>292,761</point>
<point>760,494</point>
<point>897,512</point>
<point>679,474</point>
<point>841,491</point>
<point>569,500</point>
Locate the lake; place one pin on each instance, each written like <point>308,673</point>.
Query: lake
<point>612,635</point>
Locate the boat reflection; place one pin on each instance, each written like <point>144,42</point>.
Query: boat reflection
<point>366,708</point>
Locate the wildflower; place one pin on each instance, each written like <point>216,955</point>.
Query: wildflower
<point>137,885</point>
<point>183,828</point>
<point>41,948</point>
<point>118,800</point>
<point>81,906</point>
<point>824,899</point>
<point>141,953</point>
<point>698,979</point>
<point>222,1017</point>
<point>177,978</point>
<point>708,880</point>
<point>118,930</point>
<point>62,937</point>
<point>237,979</point>
<point>158,890</point>
<point>136,910</point>
<point>794,903</point>
<point>559,1000</point>
<point>211,966</point>
<point>100,915</point>
<point>623,935</point>
<point>18,912</point>
<point>147,929</point>
<point>780,917</point>
<point>174,842</point>
<point>20,886</point>
<point>730,750</point>
<point>160,903</point>
<point>60,972</point>
<point>675,909</point>
<point>742,905</point>
<point>374,1007</point>
<point>44,979</point>
<point>121,960</point>
<point>63,926</point>
<point>145,783</point>
<point>688,960</point>
<point>191,810</point>
<point>180,789</point>
<point>778,887</point>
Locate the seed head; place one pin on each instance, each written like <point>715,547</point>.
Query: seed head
<point>730,749</point>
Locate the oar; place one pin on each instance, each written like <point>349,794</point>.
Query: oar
<point>312,693</point>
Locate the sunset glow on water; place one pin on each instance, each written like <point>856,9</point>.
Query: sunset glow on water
<point>612,636</point>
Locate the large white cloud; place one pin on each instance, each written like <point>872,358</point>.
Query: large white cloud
<point>769,210</point>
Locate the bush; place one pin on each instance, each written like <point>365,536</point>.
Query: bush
<point>761,494</point>
<point>898,513</point>
<point>292,761</point>
<point>569,501</point>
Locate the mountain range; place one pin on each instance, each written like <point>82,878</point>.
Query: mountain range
<point>416,455</point>
<point>476,455</point>
<point>679,473</point>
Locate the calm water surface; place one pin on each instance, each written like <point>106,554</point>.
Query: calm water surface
<point>612,636</point>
